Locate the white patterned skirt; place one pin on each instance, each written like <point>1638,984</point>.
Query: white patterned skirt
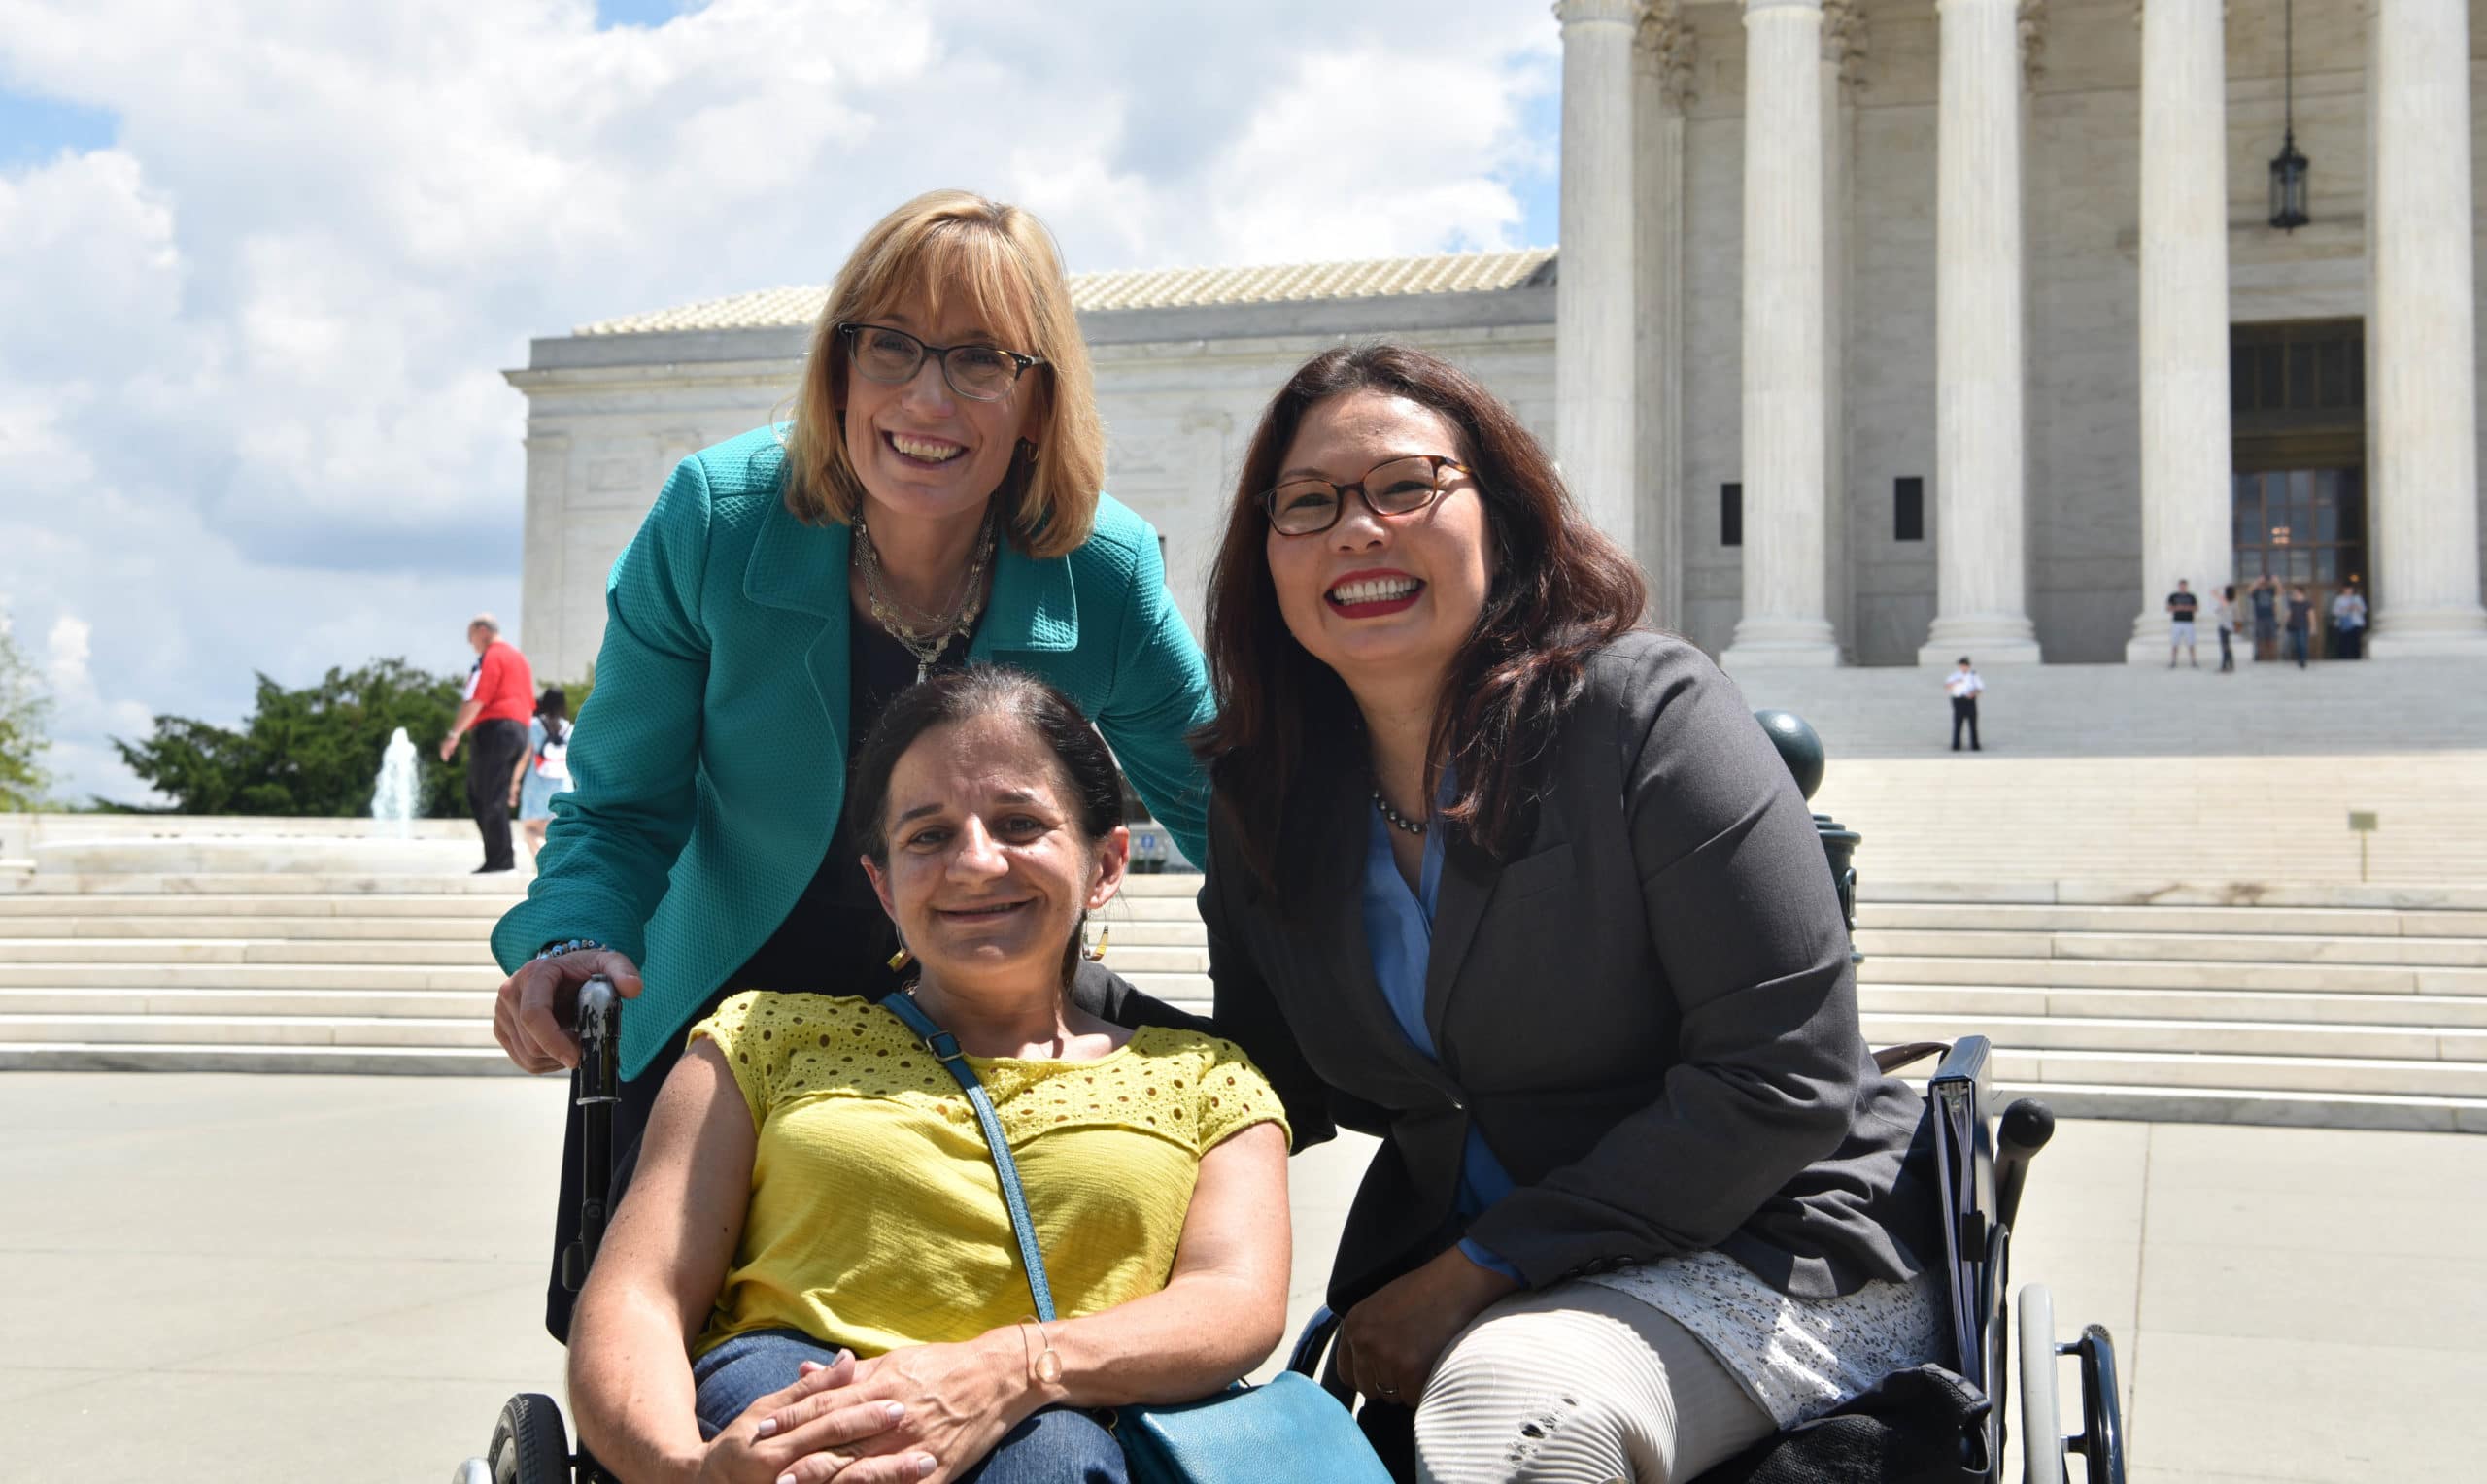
<point>1798,1358</point>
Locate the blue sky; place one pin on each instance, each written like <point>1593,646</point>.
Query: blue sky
<point>34,129</point>
<point>259,279</point>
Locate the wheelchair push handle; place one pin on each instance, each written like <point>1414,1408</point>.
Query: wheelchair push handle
<point>600,1032</point>
<point>599,1092</point>
<point>2023,1130</point>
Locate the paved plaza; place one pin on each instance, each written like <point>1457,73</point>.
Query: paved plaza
<point>215,1277</point>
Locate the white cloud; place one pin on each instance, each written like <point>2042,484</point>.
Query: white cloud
<point>251,416</point>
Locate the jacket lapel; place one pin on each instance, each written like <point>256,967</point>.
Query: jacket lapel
<point>803,569</point>
<point>1468,876</point>
<point>1033,608</point>
<point>1324,847</point>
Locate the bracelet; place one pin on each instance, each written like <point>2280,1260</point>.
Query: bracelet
<point>1044,1368</point>
<point>568,945</point>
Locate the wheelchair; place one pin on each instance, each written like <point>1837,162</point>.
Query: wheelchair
<point>1981,1167</point>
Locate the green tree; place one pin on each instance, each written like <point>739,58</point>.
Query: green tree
<point>315,750</point>
<point>25,711</point>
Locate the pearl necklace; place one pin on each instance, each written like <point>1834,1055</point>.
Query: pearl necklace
<point>1413,826</point>
<point>892,613</point>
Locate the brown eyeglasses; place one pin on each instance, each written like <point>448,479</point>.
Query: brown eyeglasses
<point>1398,486</point>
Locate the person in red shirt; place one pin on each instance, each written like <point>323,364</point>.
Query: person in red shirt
<point>500,697</point>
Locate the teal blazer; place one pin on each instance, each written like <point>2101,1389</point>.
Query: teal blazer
<point>704,786</point>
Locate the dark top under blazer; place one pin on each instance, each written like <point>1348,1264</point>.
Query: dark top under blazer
<point>1648,1012</point>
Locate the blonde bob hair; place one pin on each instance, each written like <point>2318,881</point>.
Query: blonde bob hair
<point>1002,261</point>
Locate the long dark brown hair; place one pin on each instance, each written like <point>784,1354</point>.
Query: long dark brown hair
<point>1563,590</point>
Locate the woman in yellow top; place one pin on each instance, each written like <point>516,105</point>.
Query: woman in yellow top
<point>815,1277</point>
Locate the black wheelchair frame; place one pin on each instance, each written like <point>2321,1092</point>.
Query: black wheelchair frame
<point>1981,1167</point>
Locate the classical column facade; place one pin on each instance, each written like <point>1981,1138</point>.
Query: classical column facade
<point>1785,619</point>
<point>2185,455</point>
<point>1979,358</point>
<point>1661,86</point>
<point>2422,376</point>
<point>1596,312</point>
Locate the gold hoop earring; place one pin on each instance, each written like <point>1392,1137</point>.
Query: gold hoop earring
<point>900,958</point>
<point>1097,954</point>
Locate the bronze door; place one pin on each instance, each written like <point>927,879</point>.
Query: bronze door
<point>2299,527</point>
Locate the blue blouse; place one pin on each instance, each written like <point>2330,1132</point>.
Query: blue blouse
<point>1399,929</point>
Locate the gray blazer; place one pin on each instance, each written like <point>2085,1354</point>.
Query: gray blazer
<point>1649,1011</point>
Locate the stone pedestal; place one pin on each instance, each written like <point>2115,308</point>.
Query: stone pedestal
<point>2185,452</point>
<point>1980,377</point>
<point>1785,618</point>
<point>2422,376</point>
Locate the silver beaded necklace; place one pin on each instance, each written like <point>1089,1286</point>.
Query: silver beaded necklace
<point>900,621</point>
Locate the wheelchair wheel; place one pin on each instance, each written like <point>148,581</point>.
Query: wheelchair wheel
<point>530,1445</point>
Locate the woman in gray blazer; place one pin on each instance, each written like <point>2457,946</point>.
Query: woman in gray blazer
<point>1522,890</point>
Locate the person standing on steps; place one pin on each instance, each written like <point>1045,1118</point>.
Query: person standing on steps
<point>500,697</point>
<point>544,769</point>
<point>2267,619</point>
<point>2348,621</point>
<point>2224,613</point>
<point>2300,623</point>
<point>2182,605</point>
<point>1962,685</point>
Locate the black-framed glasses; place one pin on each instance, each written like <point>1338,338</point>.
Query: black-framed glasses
<point>1395,487</point>
<point>892,357</point>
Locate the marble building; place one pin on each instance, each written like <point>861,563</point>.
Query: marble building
<point>1881,330</point>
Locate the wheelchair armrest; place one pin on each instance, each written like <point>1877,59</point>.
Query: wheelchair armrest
<point>1967,1061</point>
<point>1891,1059</point>
<point>1312,1348</point>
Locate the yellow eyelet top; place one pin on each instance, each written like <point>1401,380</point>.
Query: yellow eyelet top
<point>877,1220</point>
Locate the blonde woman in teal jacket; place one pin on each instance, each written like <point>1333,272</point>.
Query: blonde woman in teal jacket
<point>934,502</point>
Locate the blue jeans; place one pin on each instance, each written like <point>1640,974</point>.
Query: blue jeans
<point>1055,1446</point>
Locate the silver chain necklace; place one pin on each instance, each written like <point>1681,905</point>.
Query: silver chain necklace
<point>900,621</point>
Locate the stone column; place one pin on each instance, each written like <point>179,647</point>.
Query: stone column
<point>1596,278</point>
<point>2185,459</point>
<point>1785,619</point>
<point>1980,521</point>
<point>2423,380</point>
<point>1661,86</point>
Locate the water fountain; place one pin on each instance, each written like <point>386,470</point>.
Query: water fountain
<point>392,797</point>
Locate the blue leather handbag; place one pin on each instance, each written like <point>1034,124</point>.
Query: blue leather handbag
<point>1288,1432</point>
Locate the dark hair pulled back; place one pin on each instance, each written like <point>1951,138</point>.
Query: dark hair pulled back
<point>980,690</point>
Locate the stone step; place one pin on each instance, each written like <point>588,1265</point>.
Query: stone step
<point>1154,909</point>
<point>2166,974</point>
<point>467,952</point>
<point>375,977</point>
<point>1944,887</point>
<point>1966,1002</point>
<point>2192,947</point>
<point>290,906</point>
<point>214,1056</point>
<point>2255,1106</point>
<point>245,925</point>
<point>2274,1074</point>
<point>436,1004</point>
<point>2326,922</point>
<point>503,888</point>
<point>2272,1038</point>
<point>249,1030</point>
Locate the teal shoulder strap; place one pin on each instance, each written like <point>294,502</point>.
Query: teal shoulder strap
<point>944,1048</point>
